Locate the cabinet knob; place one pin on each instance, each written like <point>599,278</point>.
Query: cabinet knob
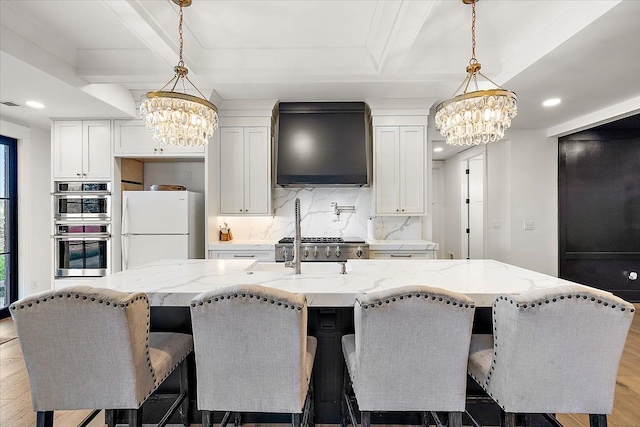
<point>78,174</point>
<point>162,150</point>
<point>240,210</point>
<point>397,210</point>
<point>402,210</point>
<point>155,150</point>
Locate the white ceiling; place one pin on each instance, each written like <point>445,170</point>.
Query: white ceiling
<point>92,58</point>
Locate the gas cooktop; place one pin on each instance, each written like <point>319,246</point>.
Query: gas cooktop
<point>323,248</point>
<point>323,240</point>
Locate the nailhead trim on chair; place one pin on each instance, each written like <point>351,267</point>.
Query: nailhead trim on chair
<point>485,384</point>
<point>426,296</point>
<point>263,299</point>
<point>115,305</point>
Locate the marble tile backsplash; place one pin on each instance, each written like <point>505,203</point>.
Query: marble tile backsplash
<point>318,218</point>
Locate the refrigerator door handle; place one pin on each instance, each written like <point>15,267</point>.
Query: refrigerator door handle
<point>123,242</point>
<point>125,212</point>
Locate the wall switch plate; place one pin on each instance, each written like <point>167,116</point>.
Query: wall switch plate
<point>497,225</point>
<point>528,225</point>
<point>189,176</point>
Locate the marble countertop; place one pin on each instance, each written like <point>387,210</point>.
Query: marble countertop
<point>402,245</point>
<point>176,282</point>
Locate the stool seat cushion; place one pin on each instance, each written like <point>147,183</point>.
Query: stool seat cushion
<point>480,357</point>
<point>167,350</point>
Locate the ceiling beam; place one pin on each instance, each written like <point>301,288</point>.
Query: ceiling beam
<point>394,30</point>
<point>155,29</point>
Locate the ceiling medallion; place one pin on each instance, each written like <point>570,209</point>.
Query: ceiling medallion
<point>177,118</point>
<point>480,116</point>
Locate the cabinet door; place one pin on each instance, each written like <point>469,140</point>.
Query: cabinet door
<point>386,171</point>
<point>256,170</point>
<point>96,149</point>
<point>67,149</point>
<point>231,170</point>
<point>132,138</point>
<point>412,169</point>
<point>176,150</point>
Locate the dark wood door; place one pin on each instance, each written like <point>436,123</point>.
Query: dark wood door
<point>599,207</point>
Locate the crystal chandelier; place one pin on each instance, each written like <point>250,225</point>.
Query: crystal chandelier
<point>177,118</point>
<point>480,116</point>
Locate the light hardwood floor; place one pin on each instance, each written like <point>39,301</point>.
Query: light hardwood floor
<point>15,397</point>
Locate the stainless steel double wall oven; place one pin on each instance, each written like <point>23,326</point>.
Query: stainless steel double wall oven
<point>82,229</point>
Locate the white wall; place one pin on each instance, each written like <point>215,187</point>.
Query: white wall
<point>175,173</point>
<point>34,214</point>
<point>522,185</point>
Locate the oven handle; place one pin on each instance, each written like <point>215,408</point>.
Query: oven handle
<point>82,195</point>
<point>83,238</point>
<point>82,235</point>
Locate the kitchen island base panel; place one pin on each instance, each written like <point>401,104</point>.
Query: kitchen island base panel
<point>328,325</point>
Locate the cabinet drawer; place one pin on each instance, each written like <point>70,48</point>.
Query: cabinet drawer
<point>256,255</point>
<point>401,255</point>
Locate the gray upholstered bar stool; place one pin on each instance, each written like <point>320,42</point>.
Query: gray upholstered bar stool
<point>553,350</point>
<point>252,352</point>
<point>90,348</point>
<point>409,353</point>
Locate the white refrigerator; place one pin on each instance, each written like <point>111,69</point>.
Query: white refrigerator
<point>160,225</point>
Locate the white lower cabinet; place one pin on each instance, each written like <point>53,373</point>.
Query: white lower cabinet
<point>402,254</point>
<point>261,255</point>
<point>245,168</point>
<point>400,170</point>
<point>133,139</point>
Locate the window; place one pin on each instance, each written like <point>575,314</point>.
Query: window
<point>8,224</point>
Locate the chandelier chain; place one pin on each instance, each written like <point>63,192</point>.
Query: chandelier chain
<point>181,61</point>
<point>473,34</point>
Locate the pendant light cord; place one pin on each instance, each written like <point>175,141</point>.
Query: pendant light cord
<point>473,34</point>
<point>181,61</point>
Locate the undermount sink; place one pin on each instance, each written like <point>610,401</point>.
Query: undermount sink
<point>306,267</point>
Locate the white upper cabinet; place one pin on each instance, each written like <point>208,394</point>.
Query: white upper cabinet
<point>244,171</point>
<point>133,139</point>
<point>82,149</point>
<point>399,170</point>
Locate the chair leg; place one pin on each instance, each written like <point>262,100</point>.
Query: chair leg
<point>44,419</point>
<point>507,419</point>
<point>365,418</point>
<point>295,420</point>
<point>184,390</point>
<point>598,420</point>
<point>207,419</point>
<point>110,417</point>
<point>135,417</point>
<point>343,401</point>
<point>225,418</point>
<point>312,406</point>
<point>424,418</point>
<point>455,419</point>
<point>238,419</point>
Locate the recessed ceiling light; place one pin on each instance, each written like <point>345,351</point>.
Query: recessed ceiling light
<point>35,104</point>
<point>438,149</point>
<point>551,102</point>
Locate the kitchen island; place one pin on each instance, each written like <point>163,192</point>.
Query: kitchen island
<point>176,282</point>
<point>171,284</point>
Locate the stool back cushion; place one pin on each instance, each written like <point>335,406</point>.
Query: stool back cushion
<point>85,348</point>
<point>250,346</point>
<point>558,350</point>
<point>412,346</point>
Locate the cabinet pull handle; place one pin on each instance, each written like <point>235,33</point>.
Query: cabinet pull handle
<point>400,256</point>
<point>244,256</point>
